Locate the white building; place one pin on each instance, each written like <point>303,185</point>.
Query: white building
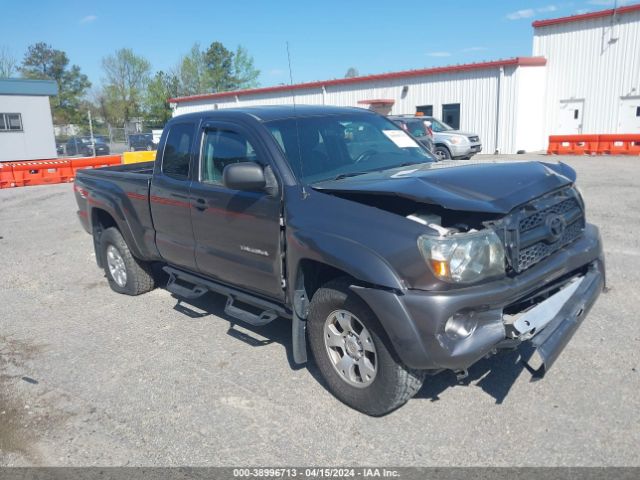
<point>593,71</point>
<point>26,127</point>
<point>583,77</point>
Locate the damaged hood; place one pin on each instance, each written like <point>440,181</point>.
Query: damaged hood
<point>490,188</point>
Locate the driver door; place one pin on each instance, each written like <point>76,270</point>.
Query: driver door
<point>237,233</point>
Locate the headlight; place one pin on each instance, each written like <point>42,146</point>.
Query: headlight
<point>458,140</point>
<point>464,257</point>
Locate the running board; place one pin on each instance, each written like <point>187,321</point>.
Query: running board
<point>265,317</point>
<point>191,293</point>
<point>269,310</point>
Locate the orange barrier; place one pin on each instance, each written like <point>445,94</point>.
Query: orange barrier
<point>43,172</point>
<point>94,162</point>
<point>573,144</point>
<point>609,144</point>
<point>620,144</point>
<point>6,176</point>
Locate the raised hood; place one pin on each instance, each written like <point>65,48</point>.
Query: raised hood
<point>490,188</point>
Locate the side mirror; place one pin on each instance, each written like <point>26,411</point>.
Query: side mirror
<point>244,176</point>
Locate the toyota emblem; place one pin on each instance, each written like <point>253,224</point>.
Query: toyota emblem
<point>556,226</point>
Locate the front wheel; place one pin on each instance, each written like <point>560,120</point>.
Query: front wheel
<point>353,353</point>
<point>442,153</point>
<point>125,273</point>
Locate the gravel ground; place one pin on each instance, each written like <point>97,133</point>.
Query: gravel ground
<point>89,377</point>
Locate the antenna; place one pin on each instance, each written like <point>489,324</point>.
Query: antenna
<point>295,117</point>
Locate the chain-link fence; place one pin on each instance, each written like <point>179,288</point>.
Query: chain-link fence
<point>118,138</point>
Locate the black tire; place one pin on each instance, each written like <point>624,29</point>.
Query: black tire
<point>442,153</point>
<point>394,383</point>
<point>139,275</point>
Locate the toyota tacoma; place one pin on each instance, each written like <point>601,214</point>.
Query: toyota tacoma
<point>389,265</point>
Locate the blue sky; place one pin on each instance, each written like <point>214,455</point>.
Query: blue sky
<point>326,38</point>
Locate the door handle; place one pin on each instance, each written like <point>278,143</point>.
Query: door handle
<point>201,204</point>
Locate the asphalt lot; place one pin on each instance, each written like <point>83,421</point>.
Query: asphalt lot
<point>89,377</point>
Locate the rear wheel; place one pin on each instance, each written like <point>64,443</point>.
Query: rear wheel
<point>353,353</point>
<point>125,273</point>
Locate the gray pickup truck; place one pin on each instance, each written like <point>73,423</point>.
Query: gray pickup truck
<point>388,265</point>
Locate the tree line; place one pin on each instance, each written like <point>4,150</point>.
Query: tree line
<point>129,89</point>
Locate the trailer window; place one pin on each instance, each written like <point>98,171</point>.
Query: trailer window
<point>176,156</point>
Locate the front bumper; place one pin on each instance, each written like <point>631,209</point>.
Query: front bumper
<point>415,320</point>
<point>464,150</point>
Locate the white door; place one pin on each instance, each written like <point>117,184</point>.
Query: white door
<point>629,115</point>
<point>570,117</point>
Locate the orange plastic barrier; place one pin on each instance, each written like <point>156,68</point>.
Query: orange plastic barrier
<point>6,176</point>
<point>620,144</point>
<point>42,172</point>
<point>573,144</point>
<point>94,162</point>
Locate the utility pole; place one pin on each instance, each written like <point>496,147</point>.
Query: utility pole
<point>93,140</point>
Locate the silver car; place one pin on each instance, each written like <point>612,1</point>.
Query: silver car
<point>451,143</point>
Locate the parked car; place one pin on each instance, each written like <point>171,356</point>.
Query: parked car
<point>451,143</point>
<point>84,146</point>
<point>416,126</point>
<point>141,141</point>
<point>389,267</point>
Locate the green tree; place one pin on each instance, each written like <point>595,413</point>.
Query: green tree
<point>351,72</point>
<point>126,77</point>
<point>219,64</point>
<point>8,63</point>
<point>160,89</point>
<point>244,72</point>
<point>44,62</point>
<point>192,72</point>
<point>216,69</point>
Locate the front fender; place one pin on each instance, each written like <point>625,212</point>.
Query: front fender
<point>342,253</point>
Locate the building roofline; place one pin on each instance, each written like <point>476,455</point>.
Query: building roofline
<point>587,16</point>
<point>517,61</point>
<point>21,86</point>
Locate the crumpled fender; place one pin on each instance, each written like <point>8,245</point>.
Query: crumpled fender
<point>342,253</point>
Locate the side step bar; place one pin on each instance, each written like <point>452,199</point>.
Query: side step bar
<point>270,310</point>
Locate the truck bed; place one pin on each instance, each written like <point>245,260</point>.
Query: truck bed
<point>118,171</point>
<point>120,189</point>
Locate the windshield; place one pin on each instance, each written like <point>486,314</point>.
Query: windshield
<point>417,128</point>
<point>438,126</point>
<point>335,146</point>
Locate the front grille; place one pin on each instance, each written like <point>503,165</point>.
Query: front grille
<point>538,218</point>
<point>543,227</point>
<point>529,256</point>
<point>474,139</point>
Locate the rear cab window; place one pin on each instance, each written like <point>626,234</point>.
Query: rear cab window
<point>176,156</point>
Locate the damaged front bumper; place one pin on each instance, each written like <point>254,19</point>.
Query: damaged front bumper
<point>415,321</point>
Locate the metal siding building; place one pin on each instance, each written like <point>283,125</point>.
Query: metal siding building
<point>583,77</point>
<point>593,74</point>
<point>475,87</point>
<point>26,127</point>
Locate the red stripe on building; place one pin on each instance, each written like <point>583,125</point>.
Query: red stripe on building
<point>587,16</point>
<point>517,61</point>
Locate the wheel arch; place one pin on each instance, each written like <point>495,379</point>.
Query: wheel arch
<point>101,219</point>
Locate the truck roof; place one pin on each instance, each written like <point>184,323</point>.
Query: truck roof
<point>275,112</point>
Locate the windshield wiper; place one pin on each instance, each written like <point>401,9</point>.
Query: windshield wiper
<point>349,174</point>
